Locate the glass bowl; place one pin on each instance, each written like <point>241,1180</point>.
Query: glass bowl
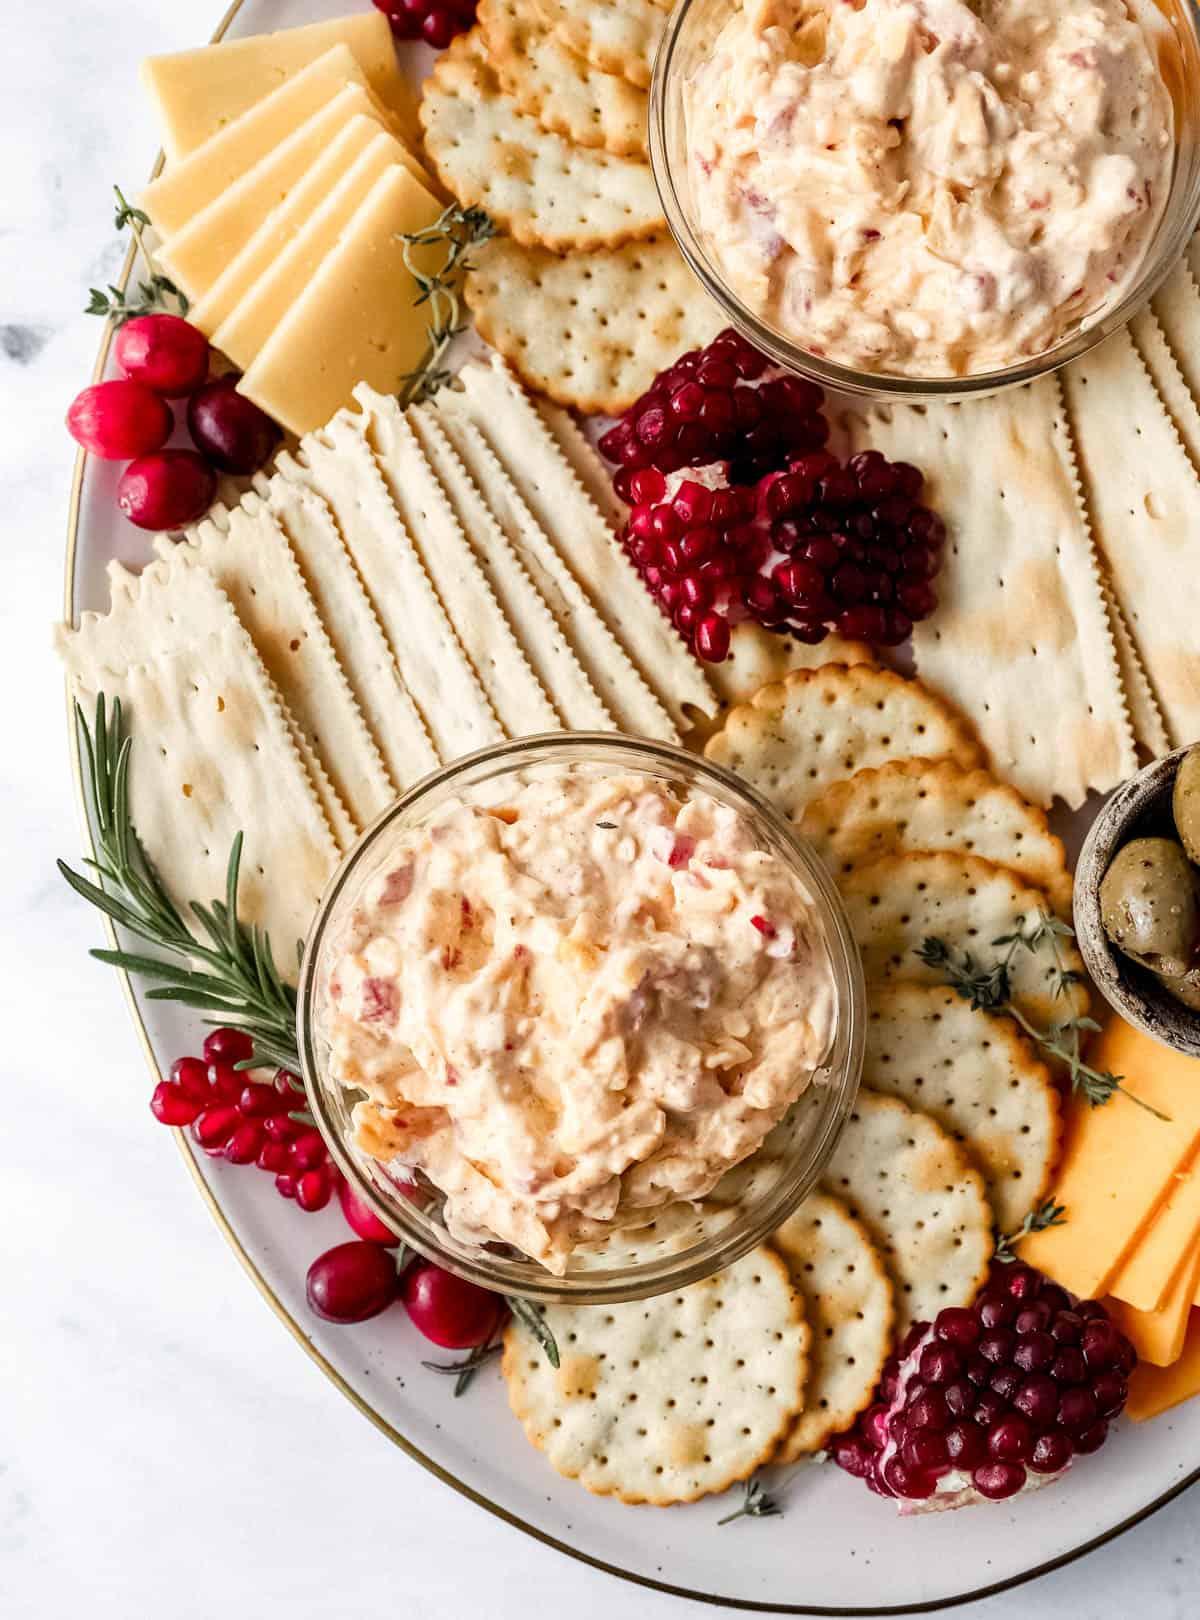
<point>687,1241</point>
<point>691,31</point>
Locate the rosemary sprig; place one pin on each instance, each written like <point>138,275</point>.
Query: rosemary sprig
<point>988,986</point>
<point>532,1319</point>
<point>152,294</point>
<point>231,971</point>
<point>464,1371</point>
<point>460,230</point>
<point>1038,1220</point>
<point>756,1504</point>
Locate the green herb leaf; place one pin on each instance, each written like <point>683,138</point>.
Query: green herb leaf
<point>458,230</point>
<point>756,1504</point>
<point>156,292</point>
<point>464,1371</point>
<point>532,1319</point>
<point>1038,1220</point>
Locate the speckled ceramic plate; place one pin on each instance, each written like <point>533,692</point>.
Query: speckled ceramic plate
<point>836,1550</point>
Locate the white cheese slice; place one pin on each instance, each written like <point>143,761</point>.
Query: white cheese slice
<point>277,264</point>
<point>197,93</point>
<point>190,185</point>
<point>196,255</point>
<point>357,320</point>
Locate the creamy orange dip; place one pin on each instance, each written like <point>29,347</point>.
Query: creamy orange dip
<point>581,1004</point>
<point>929,187</point>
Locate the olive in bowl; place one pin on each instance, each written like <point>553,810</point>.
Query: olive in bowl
<point>1137,900</point>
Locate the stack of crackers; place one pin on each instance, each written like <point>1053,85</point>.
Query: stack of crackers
<point>539,116</point>
<point>954,1135</point>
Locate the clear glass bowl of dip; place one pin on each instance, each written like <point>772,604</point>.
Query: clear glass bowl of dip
<point>694,26</point>
<point>689,1241</point>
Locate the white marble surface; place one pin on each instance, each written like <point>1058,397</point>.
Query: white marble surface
<point>164,1448</point>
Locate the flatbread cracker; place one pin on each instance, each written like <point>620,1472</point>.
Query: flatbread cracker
<point>900,901</point>
<point>559,88</point>
<point>214,751</point>
<point>495,402</point>
<point>978,1077</point>
<point>921,804</point>
<point>666,1399</point>
<point>797,735</point>
<point>592,330</point>
<point>1161,362</point>
<point>553,662</point>
<point>1021,608</point>
<point>620,36</point>
<point>586,462</point>
<point>539,187</point>
<point>1176,307</point>
<point>252,561</point>
<point>850,1308</point>
<point>1144,713</point>
<point>338,463</point>
<point>457,573</point>
<point>1142,492</point>
<point>920,1200</point>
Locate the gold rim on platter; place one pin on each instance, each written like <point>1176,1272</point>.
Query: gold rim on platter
<point>280,1310</point>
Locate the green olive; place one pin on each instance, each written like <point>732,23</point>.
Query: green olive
<point>1185,989</point>
<point>1185,802</point>
<point>1149,905</point>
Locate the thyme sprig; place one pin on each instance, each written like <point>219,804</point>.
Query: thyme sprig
<point>459,230</point>
<point>230,971</point>
<point>154,293</point>
<point>464,1371</point>
<point>534,1322</point>
<point>1038,1220</point>
<point>988,986</point>
<point>756,1504</point>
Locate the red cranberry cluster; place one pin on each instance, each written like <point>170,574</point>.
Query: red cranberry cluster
<point>248,1121</point>
<point>771,526</point>
<point>1018,1384</point>
<point>434,21</point>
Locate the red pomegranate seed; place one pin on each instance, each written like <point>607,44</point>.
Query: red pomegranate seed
<point>712,638</point>
<point>307,1152</point>
<point>272,1156</point>
<point>1069,1366</point>
<point>997,1345</point>
<point>1077,1410</point>
<point>1035,1350</point>
<point>874,1425</point>
<point>1005,1382</point>
<point>959,1397</point>
<point>1010,1440</point>
<point>998,1480</point>
<point>228,1046</point>
<point>314,1189</point>
<point>285,1185</point>
<point>1037,1399</point>
<point>171,1106</point>
<point>244,1146</point>
<point>191,1076</point>
<point>957,1326</point>
<point>911,1483</point>
<point>226,1083</point>
<point>1051,1452</point>
<point>854,1455</point>
<point>996,1310</point>
<point>257,1100</point>
<point>214,1127</point>
<point>939,1364</point>
<point>925,1449</point>
<point>647,486</point>
<point>282,1129</point>
<point>1100,1343</point>
<point>966,1446</point>
<point>989,1409</point>
<point>1109,1391</point>
<point>1092,1438</point>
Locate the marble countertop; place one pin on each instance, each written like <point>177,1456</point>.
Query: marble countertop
<point>164,1449</point>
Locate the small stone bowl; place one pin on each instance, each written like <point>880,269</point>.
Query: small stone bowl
<point>1140,808</point>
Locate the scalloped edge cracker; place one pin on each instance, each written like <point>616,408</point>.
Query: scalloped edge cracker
<point>586,462</point>
<point>562,90</point>
<point>619,36</point>
<point>671,1398</point>
<point>1148,728</point>
<point>499,407</point>
<point>797,735</point>
<point>538,186</point>
<point>899,901</point>
<point>591,330</point>
<point>912,805</point>
<point>1021,608</point>
<point>214,750</point>
<point>1142,492</point>
<point>978,1077</point>
<point>850,1307</point>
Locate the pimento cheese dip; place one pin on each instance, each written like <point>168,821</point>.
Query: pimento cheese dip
<point>927,187</point>
<point>576,1006</point>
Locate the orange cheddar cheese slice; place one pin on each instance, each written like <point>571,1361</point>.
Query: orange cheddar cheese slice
<point>1156,1389</point>
<point>1120,1162</point>
<point>1158,1336</point>
<point>1167,1245</point>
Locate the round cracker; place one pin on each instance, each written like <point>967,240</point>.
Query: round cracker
<point>591,330</point>
<point>667,1399</point>
<point>978,1077</point>
<point>849,1303</point>
<point>911,805</point>
<point>619,36</point>
<point>797,735</point>
<point>899,902</point>
<point>539,187</point>
<point>562,90</point>
<point>922,1203</point>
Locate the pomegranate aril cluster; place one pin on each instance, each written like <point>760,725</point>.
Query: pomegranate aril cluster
<point>1009,1389</point>
<point>434,21</point>
<point>764,524</point>
<point>247,1121</point>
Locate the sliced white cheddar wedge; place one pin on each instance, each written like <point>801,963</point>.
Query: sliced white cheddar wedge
<point>196,255</point>
<point>274,286</point>
<point>197,93</point>
<point>357,320</point>
<point>554,664</point>
<point>190,185</point>
<point>515,692</point>
<point>339,465</point>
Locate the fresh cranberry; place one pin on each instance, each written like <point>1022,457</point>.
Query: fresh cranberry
<point>119,419</point>
<point>166,490</point>
<point>352,1281</point>
<point>229,429</point>
<point>361,1218</point>
<point>448,1310</point>
<point>163,352</point>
